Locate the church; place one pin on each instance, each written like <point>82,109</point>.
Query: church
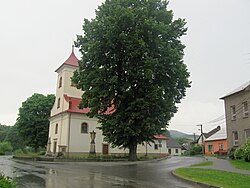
<point>71,131</point>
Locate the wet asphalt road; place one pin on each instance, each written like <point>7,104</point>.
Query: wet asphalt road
<point>155,174</point>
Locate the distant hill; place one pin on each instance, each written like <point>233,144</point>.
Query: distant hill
<point>178,134</point>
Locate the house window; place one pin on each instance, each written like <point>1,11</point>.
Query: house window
<point>160,144</point>
<point>220,146</point>
<point>58,102</point>
<point>176,151</point>
<point>56,128</point>
<point>156,146</point>
<point>235,138</point>
<point>169,151</point>
<point>60,82</point>
<point>233,113</point>
<point>210,147</point>
<point>84,128</point>
<point>247,133</point>
<point>245,109</point>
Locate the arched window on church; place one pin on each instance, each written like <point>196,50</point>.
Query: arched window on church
<point>84,128</point>
<point>60,82</point>
<point>58,102</point>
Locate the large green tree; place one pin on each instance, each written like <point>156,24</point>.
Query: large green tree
<point>32,122</point>
<point>132,61</point>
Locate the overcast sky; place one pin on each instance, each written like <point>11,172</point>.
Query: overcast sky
<point>36,38</point>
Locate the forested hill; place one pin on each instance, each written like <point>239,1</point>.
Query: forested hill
<point>178,134</point>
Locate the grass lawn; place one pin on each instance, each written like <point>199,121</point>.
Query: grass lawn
<point>240,164</point>
<point>215,177</point>
<point>208,163</point>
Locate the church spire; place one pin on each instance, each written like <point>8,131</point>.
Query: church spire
<point>71,61</point>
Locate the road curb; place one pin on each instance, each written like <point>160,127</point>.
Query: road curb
<point>88,161</point>
<point>193,182</point>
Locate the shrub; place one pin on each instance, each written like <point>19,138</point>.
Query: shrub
<point>59,154</point>
<point>230,153</point>
<point>41,152</point>
<point>6,182</point>
<point>195,149</point>
<point>246,151</point>
<point>19,152</point>
<point>238,153</point>
<point>5,147</point>
<point>27,150</point>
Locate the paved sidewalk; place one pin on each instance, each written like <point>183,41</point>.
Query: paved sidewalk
<point>222,164</point>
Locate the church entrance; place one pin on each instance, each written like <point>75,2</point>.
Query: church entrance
<point>105,149</point>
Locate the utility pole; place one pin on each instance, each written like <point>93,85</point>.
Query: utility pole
<point>202,140</point>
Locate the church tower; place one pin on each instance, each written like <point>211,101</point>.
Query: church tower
<point>65,88</point>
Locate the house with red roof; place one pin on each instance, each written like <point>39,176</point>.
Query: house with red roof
<point>216,142</point>
<point>71,130</point>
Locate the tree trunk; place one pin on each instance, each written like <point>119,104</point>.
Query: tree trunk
<point>132,151</point>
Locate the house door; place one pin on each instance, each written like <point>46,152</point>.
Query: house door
<point>54,148</point>
<point>105,149</point>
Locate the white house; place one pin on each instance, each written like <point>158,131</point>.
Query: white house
<point>70,129</point>
<point>173,147</point>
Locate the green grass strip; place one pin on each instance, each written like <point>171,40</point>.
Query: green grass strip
<point>241,164</point>
<point>215,177</point>
<point>208,163</point>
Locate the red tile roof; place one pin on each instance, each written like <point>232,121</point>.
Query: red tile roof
<point>160,137</point>
<point>72,60</point>
<point>74,103</point>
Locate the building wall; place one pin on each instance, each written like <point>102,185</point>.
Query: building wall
<point>69,89</point>
<point>174,151</point>
<point>240,123</point>
<point>70,124</point>
<point>215,146</point>
<point>61,137</point>
<point>80,142</point>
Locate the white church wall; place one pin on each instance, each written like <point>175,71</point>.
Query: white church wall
<point>80,142</point>
<point>62,131</point>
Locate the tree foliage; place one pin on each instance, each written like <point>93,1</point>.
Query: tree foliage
<point>32,122</point>
<point>4,129</point>
<point>182,141</point>
<point>132,61</point>
<point>14,138</point>
<point>5,147</point>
